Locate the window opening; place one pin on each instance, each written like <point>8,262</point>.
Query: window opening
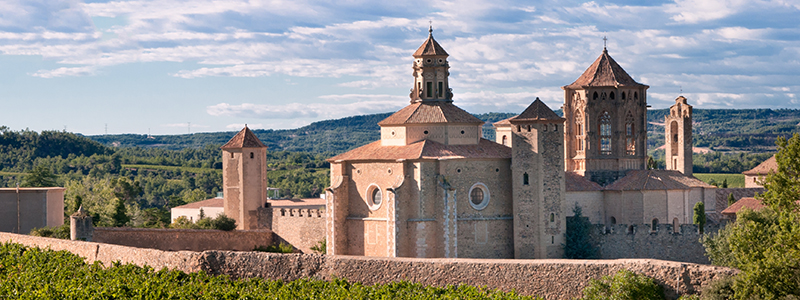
<point>439,91</point>
<point>376,196</point>
<point>429,89</point>
<point>654,225</point>
<point>525,179</point>
<point>605,134</point>
<point>630,142</point>
<point>505,140</point>
<point>594,96</point>
<point>611,95</point>
<point>251,154</point>
<point>552,217</point>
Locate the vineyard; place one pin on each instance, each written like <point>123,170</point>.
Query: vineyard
<point>33,273</point>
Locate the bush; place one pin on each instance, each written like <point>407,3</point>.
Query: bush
<point>280,248</point>
<point>625,285</point>
<point>221,222</point>
<point>321,247</point>
<point>58,232</point>
<point>721,289</point>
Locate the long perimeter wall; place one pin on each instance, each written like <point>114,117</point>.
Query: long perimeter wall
<point>552,279</point>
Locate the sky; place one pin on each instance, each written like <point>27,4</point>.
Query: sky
<point>174,67</point>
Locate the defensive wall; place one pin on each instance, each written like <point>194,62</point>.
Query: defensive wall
<point>641,241</point>
<point>302,228</point>
<point>184,239</point>
<point>552,278</point>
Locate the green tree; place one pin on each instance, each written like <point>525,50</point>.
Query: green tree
<point>40,176</point>
<point>578,243</point>
<point>699,217</point>
<point>120,217</point>
<point>725,183</point>
<point>625,285</point>
<point>731,199</point>
<point>765,245</point>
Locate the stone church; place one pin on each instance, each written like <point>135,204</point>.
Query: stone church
<point>433,187</point>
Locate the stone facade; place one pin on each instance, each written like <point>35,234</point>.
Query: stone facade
<point>184,239</point>
<point>22,209</point>
<point>668,242</point>
<point>244,179</point>
<point>551,279</point>
<point>678,126</point>
<point>300,227</point>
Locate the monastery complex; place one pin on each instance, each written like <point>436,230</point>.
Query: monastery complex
<point>432,186</point>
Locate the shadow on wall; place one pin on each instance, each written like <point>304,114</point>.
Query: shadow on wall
<point>664,241</point>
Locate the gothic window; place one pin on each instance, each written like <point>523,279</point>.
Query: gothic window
<point>611,95</point>
<point>580,144</point>
<point>603,96</point>
<point>622,96</point>
<point>578,123</point>
<point>654,225</point>
<point>635,96</point>
<point>594,96</point>
<point>439,91</point>
<point>630,141</point>
<point>429,89</point>
<point>525,179</point>
<point>605,134</point>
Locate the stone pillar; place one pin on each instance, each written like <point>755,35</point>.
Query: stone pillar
<point>80,226</point>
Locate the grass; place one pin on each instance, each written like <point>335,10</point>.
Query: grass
<point>170,168</point>
<point>734,180</point>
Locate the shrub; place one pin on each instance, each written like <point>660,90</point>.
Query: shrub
<point>58,232</point>
<point>720,289</point>
<point>280,248</point>
<point>625,285</point>
<point>321,247</point>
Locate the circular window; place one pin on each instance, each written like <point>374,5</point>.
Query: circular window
<point>393,133</point>
<point>426,132</point>
<point>389,171</point>
<point>440,60</point>
<point>374,196</point>
<point>479,196</point>
<point>428,60</point>
<point>462,132</point>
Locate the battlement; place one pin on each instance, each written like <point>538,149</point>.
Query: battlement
<point>298,212</point>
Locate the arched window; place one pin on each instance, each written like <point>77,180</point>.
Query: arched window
<point>622,96</point>
<point>630,141</point>
<point>605,133</point>
<point>611,95</point>
<point>525,179</point>
<point>578,123</point>
<point>613,221</point>
<point>505,140</point>
<point>654,225</point>
<point>594,96</point>
<point>635,96</point>
<point>251,155</point>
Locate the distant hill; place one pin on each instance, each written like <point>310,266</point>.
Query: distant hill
<point>729,129</point>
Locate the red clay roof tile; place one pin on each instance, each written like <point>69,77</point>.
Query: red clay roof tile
<point>768,166</point>
<point>425,149</point>
<point>748,202</point>
<point>604,72</point>
<point>537,111</point>
<point>430,47</point>
<point>577,183</point>
<point>430,112</point>
<point>244,139</point>
<point>656,180</point>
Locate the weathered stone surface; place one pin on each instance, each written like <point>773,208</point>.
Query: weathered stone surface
<point>551,278</point>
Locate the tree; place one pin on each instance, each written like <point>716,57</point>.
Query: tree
<point>120,217</point>
<point>765,245</point>
<point>40,176</point>
<point>725,183</point>
<point>731,199</point>
<point>578,243</point>
<point>699,217</point>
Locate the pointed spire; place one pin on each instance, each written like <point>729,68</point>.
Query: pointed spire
<point>537,111</point>
<point>430,46</point>
<point>244,139</point>
<point>604,72</point>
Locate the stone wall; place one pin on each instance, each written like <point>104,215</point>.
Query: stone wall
<point>552,278</point>
<point>639,241</point>
<point>302,228</point>
<point>184,239</point>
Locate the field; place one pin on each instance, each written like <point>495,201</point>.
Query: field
<point>734,180</point>
<point>33,273</point>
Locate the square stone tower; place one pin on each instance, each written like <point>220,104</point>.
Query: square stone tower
<point>537,170</point>
<point>678,134</point>
<point>244,178</point>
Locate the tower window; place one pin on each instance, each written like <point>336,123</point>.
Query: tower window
<point>623,96</point>
<point>552,217</point>
<point>594,96</point>
<point>630,142</point>
<point>605,134</point>
<point>439,91</point>
<point>611,95</point>
<point>525,179</point>
<point>505,140</point>
<point>635,96</point>
<point>429,89</point>
<point>251,154</point>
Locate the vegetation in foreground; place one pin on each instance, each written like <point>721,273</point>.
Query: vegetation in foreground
<point>33,273</point>
<point>765,245</point>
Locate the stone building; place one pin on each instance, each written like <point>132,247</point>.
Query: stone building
<point>244,178</point>
<point>433,187</point>
<point>754,176</point>
<point>22,209</point>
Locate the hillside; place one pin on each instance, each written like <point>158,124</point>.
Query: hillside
<point>751,130</point>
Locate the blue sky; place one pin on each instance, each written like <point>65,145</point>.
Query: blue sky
<point>170,67</point>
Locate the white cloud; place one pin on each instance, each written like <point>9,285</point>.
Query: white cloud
<point>336,106</point>
<point>64,71</point>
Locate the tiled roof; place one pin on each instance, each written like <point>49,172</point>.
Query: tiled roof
<point>604,72</point>
<point>244,139</point>
<point>506,122</point>
<point>213,202</point>
<point>656,180</point>
<point>769,165</point>
<point>749,202</point>
<point>537,111</point>
<point>425,149</point>
<point>430,47</point>
<point>427,112</point>
<point>577,183</point>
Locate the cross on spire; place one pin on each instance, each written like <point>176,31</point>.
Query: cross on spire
<point>430,26</point>
<point>605,40</point>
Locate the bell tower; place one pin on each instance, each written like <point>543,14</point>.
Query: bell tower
<point>431,72</point>
<point>244,178</point>
<point>678,132</point>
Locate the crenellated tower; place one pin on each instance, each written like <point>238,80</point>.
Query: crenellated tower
<point>678,134</point>
<point>606,128</point>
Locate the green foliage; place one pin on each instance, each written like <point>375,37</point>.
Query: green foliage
<point>720,289</point>
<point>578,243</point>
<point>699,215</point>
<point>280,248</point>
<point>220,222</point>
<point>40,176</point>
<point>727,163</point>
<point>731,199</point>
<point>33,273</point>
<point>120,217</point>
<point>765,245</point>
<point>625,285</point>
<point>733,180</point>
<point>58,232</point>
<point>321,247</point>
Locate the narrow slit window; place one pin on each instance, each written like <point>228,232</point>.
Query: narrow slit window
<point>429,89</point>
<point>439,91</point>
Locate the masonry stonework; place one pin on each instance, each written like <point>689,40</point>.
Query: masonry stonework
<point>551,278</point>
